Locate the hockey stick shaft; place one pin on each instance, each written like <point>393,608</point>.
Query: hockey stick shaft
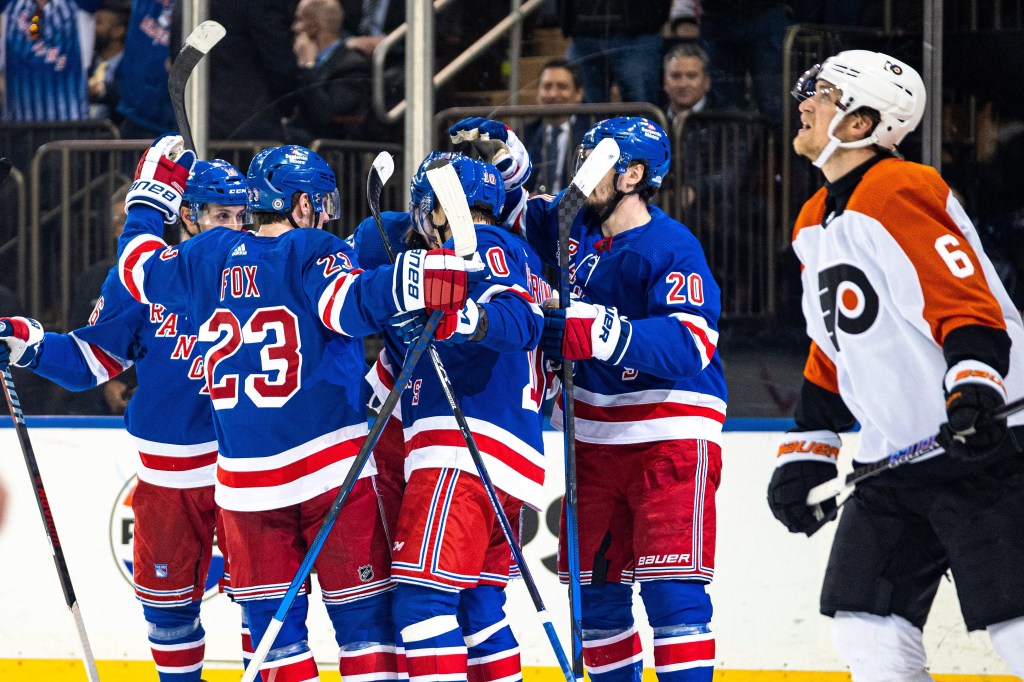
<point>373,195</point>
<point>197,45</point>
<point>267,642</point>
<point>49,524</point>
<point>840,484</point>
<point>603,156</point>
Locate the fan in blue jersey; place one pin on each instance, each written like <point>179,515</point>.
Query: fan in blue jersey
<point>284,311</point>
<point>650,401</point>
<point>170,420</point>
<point>461,574</point>
<point>47,47</point>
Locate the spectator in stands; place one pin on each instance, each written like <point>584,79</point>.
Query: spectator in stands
<point>47,46</point>
<point>552,140</point>
<point>741,37</point>
<point>686,81</point>
<point>142,76</point>
<point>111,28</point>
<point>334,79</point>
<point>683,19</point>
<point>616,40</point>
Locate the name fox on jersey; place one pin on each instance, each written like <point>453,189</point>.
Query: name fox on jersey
<point>240,281</point>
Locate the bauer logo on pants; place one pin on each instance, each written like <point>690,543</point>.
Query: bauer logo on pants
<point>122,543</point>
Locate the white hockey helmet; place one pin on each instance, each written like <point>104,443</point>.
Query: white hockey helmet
<point>874,80</point>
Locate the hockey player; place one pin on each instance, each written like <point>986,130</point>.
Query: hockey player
<point>909,327</point>
<point>170,420</point>
<point>650,403</point>
<point>284,311</point>
<point>450,557</point>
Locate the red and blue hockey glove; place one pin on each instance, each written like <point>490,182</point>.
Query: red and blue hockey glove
<point>161,176</point>
<point>584,331</point>
<point>973,391</point>
<point>805,459</point>
<point>21,338</point>
<point>498,144</point>
<point>469,324</point>
<point>434,280</point>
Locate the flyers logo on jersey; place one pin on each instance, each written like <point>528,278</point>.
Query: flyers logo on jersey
<point>848,301</point>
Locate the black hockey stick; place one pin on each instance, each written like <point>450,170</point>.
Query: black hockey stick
<point>928,446</point>
<point>465,244</point>
<point>452,197</point>
<point>600,161</point>
<point>198,43</point>
<point>44,504</point>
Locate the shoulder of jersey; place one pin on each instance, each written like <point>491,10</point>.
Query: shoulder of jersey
<point>812,213</point>
<point>663,237</point>
<point>894,181</point>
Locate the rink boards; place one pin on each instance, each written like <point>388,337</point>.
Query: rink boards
<point>765,591</point>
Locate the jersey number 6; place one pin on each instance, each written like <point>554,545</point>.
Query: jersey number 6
<point>281,358</point>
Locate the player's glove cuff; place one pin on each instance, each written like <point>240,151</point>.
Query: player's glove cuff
<point>809,446</point>
<point>973,372</point>
<point>22,338</point>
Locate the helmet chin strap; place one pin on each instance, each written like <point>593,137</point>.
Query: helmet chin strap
<point>835,143</point>
<point>619,196</point>
<point>316,220</point>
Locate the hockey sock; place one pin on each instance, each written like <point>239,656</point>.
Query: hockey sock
<point>290,660</point>
<point>611,645</point>
<point>492,648</point>
<point>177,640</point>
<point>426,621</point>
<point>365,634</point>
<point>247,648</point>
<point>684,646</point>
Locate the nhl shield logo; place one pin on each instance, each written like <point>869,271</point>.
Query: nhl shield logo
<point>366,573</point>
<point>122,543</point>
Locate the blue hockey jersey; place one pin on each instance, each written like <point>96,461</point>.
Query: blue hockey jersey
<point>169,416</point>
<point>283,320</point>
<point>669,384</point>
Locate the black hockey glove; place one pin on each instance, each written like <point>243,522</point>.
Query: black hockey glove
<point>973,391</point>
<point>805,459</point>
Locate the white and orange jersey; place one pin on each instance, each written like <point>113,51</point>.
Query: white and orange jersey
<point>884,283</point>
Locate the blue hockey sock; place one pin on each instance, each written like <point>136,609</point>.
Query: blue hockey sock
<point>177,640</point>
<point>492,648</point>
<point>684,646</point>
<point>611,645</point>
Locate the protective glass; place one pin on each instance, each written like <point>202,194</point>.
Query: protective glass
<point>809,85</point>
<point>422,215</point>
<point>330,203</point>
<point>581,156</point>
<point>233,217</point>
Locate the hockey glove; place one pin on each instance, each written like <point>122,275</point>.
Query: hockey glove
<point>434,280</point>
<point>408,326</point>
<point>161,176</point>
<point>587,331</point>
<point>805,459</point>
<point>973,391</point>
<point>21,338</point>
<point>469,324</point>
<point>498,144</point>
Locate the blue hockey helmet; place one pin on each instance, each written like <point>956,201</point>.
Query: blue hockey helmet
<point>639,139</point>
<point>480,181</point>
<point>215,182</point>
<point>277,173</point>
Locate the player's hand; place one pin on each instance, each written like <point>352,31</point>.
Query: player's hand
<point>21,338</point>
<point>464,325</point>
<point>973,391</point>
<point>587,331</point>
<point>805,459</point>
<point>161,176</point>
<point>498,144</point>
<point>409,325</point>
<point>434,280</point>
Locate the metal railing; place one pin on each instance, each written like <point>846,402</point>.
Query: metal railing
<point>351,162</point>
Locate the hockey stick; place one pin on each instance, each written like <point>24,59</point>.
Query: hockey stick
<point>446,185</point>
<point>841,484</point>
<point>465,244</point>
<point>198,43</point>
<point>44,504</point>
<point>600,161</point>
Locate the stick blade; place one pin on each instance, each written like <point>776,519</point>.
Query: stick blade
<point>445,183</point>
<point>205,36</point>
<point>384,164</point>
<point>600,161</point>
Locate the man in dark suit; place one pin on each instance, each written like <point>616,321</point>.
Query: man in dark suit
<point>334,79</point>
<point>552,140</point>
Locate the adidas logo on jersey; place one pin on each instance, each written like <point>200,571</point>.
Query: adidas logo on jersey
<point>239,250</point>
